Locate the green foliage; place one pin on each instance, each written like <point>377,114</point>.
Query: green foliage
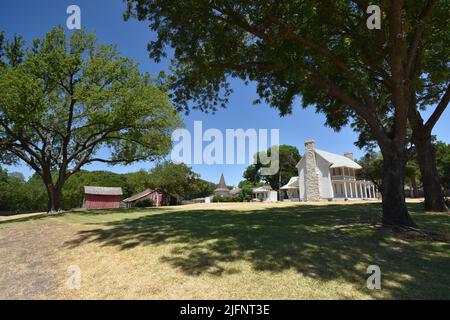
<point>38,194</point>
<point>246,194</point>
<point>179,181</point>
<point>227,198</point>
<point>288,159</point>
<point>136,182</point>
<point>252,174</point>
<point>443,163</point>
<point>321,51</point>
<point>293,48</point>
<point>16,194</point>
<point>248,184</point>
<point>13,192</point>
<point>247,189</point>
<point>372,169</point>
<point>63,100</point>
<point>72,194</point>
<point>146,203</point>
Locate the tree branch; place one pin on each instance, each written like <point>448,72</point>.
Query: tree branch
<point>417,36</point>
<point>429,125</point>
<point>338,93</point>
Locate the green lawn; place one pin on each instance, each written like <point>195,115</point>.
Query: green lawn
<point>233,251</point>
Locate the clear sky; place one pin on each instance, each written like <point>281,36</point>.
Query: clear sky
<point>32,19</point>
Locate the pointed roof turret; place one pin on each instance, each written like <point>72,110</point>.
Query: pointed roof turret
<point>222,185</point>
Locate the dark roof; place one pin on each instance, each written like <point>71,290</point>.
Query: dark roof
<point>139,195</point>
<point>222,185</point>
<point>145,193</point>
<point>104,191</point>
<point>235,191</point>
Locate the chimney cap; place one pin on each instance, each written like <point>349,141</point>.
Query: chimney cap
<point>349,155</point>
<point>309,142</point>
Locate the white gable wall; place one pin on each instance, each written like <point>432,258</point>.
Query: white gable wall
<point>324,174</point>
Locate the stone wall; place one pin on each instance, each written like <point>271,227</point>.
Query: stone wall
<point>312,190</point>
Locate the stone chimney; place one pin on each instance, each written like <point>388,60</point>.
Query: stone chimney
<point>312,191</point>
<point>349,155</point>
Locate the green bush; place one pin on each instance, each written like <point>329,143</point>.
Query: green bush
<point>227,198</point>
<point>146,203</point>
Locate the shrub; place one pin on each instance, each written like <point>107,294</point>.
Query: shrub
<point>227,198</point>
<point>146,203</point>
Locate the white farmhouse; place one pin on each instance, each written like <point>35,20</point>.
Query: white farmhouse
<point>326,176</point>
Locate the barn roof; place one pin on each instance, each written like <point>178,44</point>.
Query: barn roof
<point>104,191</point>
<point>139,195</point>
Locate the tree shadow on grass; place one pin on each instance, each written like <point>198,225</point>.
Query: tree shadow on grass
<point>79,212</point>
<point>322,242</point>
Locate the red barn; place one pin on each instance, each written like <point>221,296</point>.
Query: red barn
<point>102,197</point>
<point>158,197</point>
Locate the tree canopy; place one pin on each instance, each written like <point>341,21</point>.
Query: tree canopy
<point>443,163</point>
<point>65,100</point>
<point>319,50</point>
<point>179,180</point>
<point>288,159</point>
<point>19,194</point>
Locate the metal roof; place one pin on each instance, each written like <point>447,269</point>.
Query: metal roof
<point>139,195</point>
<point>262,189</point>
<point>292,184</point>
<point>235,191</point>
<point>105,191</point>
<point>337,160</point>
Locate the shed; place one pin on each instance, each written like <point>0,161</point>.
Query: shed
<point>160,198</point>
<point>102,197</point>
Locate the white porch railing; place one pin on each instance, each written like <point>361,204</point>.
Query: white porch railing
<point>343,177</point>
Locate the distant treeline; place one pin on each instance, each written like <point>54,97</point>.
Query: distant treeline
<point>19,194</point>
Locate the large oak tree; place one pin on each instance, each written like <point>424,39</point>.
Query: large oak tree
<point>319,50</point>
<point>66,103</point>
<point>288,158</point>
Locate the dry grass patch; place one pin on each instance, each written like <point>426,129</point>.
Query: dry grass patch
<point>221,251</point>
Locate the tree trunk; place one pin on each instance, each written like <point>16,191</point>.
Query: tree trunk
<point>411,190</point>
<point>414,187</point>
<point>426,156</point>
<point>395,212</point>
<point>54,198</point>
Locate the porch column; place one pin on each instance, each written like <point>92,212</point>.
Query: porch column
<point>351,189</point>
<point>345,189</point>
<point>365,189</point>
<point>360,190</point>
<point>374,194</point>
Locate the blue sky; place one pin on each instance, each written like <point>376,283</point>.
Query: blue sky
<point>32,19</point>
